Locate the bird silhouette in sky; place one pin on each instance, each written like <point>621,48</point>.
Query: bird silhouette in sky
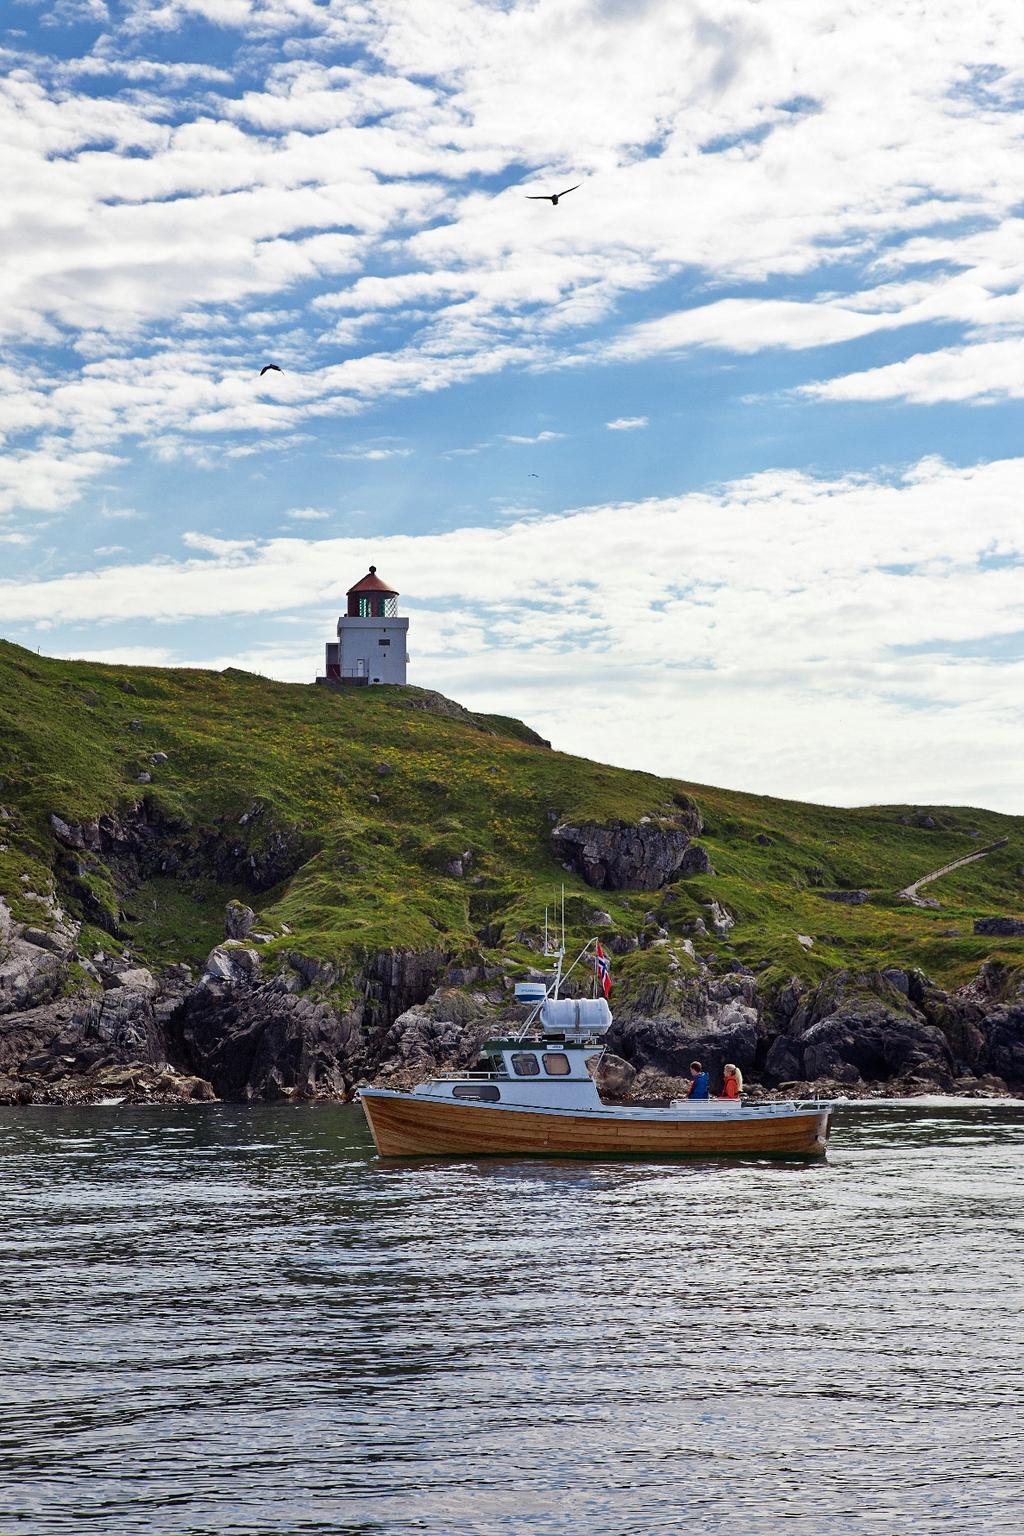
<point>270,368</point>
<point>550,197</point>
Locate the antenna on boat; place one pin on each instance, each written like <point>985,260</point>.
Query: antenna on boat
<point>545,930</point>
<point>563,916</point>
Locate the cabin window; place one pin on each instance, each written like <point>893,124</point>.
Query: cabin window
<point>525,1064</point>
<point>485,1091</point>
<point>556,1064</point>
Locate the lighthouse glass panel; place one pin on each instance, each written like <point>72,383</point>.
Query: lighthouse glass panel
<point>364,608</point>
<point>390,609</point>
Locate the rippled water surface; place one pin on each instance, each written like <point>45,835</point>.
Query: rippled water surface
<point>218,1320</point>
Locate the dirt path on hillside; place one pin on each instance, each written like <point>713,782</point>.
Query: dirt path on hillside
<point>909,893</point>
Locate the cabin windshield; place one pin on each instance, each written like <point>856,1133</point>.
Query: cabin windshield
<point>556,1064</point>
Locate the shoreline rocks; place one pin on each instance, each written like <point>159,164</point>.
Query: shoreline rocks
<point>284,1025</point>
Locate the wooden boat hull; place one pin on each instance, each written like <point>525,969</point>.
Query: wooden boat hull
<point>412,1125</point>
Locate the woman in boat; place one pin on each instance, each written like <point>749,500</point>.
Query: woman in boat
<point>732,1086</point>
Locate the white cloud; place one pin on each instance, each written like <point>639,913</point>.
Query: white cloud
<point>227,550</point>
<point>980,373</point>
<point>790,139</point>
<point>48,478</point>
<point>129,655</point>
<point>541,437</point>
<point>806,617</point>
<point>627,423</point>
<point>307,514</point>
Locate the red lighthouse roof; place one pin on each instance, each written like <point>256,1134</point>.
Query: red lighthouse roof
<point>372,583</point>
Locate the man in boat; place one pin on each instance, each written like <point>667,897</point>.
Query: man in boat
<point>699,1084</point>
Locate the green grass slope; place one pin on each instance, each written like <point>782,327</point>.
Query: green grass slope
<point>380,794</point>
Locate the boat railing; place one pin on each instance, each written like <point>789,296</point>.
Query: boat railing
<point>469,1077</point>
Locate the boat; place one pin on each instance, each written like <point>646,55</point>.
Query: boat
<point>533,1094</point>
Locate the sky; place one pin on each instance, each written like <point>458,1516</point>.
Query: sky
<point>714,469</point>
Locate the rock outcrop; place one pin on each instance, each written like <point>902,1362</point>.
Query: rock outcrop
<point>110,1042</point>
<point>291,1025</point>
<point>1000,927</point>
<point>239,920</point>
<point>643,855</point>
<point>696,861</point>
<point>33,961</point>
<point>117,852</point>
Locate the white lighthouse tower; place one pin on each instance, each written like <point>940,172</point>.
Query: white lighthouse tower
<point>370,647</point>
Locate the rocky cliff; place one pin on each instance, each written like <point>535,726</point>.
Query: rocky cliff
<point>237,1031</point>
<point>215,885</point>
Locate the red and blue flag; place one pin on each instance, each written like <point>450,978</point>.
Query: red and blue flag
<point>602,966</point>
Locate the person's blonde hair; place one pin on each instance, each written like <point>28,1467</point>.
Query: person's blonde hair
<point>734,1071</point>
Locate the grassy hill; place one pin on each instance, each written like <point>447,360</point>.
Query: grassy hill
<point>371,801</point>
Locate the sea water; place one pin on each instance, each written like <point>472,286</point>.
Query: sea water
<point>220,1320</point>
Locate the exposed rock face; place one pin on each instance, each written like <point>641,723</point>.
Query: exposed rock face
<point>247,1031</point>
<point>850,898</point>
<point>232,963</point>
<point>33,961</point>
<point>133,846</point>
<point>239,920</point>
<point>615,1077</point>
<point>641,856</point>
<point>847,1030</point>
<point>722,920</point>
<point>696,861</point>
<point>28,975</point>
<point>1003,1048</point>
<point>256,1040</point>
<point>107,1043</point>
<point>711,1020</point>
<point>136,979</point>
<point>784,1061</point>
<point>1001,927</point>
<point>445,1031</point>
<point>897,1029</point>
<point>264,1043</point>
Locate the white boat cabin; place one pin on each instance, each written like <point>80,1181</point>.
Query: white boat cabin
<point>549,1070</point>
<point>531,1071</point>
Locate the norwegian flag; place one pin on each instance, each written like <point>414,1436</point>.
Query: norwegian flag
<point>602,965</point>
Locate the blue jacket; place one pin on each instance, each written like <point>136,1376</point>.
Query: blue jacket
<point>699,1087</point>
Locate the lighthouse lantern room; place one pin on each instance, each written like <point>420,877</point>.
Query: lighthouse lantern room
<point>371,643</point>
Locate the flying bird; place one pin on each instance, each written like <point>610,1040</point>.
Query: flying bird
<point>270,368</point>
<point>550,197</point>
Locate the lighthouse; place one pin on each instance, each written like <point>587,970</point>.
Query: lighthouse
<point>370,647</point>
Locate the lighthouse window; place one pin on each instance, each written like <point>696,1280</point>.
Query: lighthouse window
<point>485,1091</point>
<point>556,1064</point>
<point>525,1064</point>
<point>364,608</point>
<point>383,642</point>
